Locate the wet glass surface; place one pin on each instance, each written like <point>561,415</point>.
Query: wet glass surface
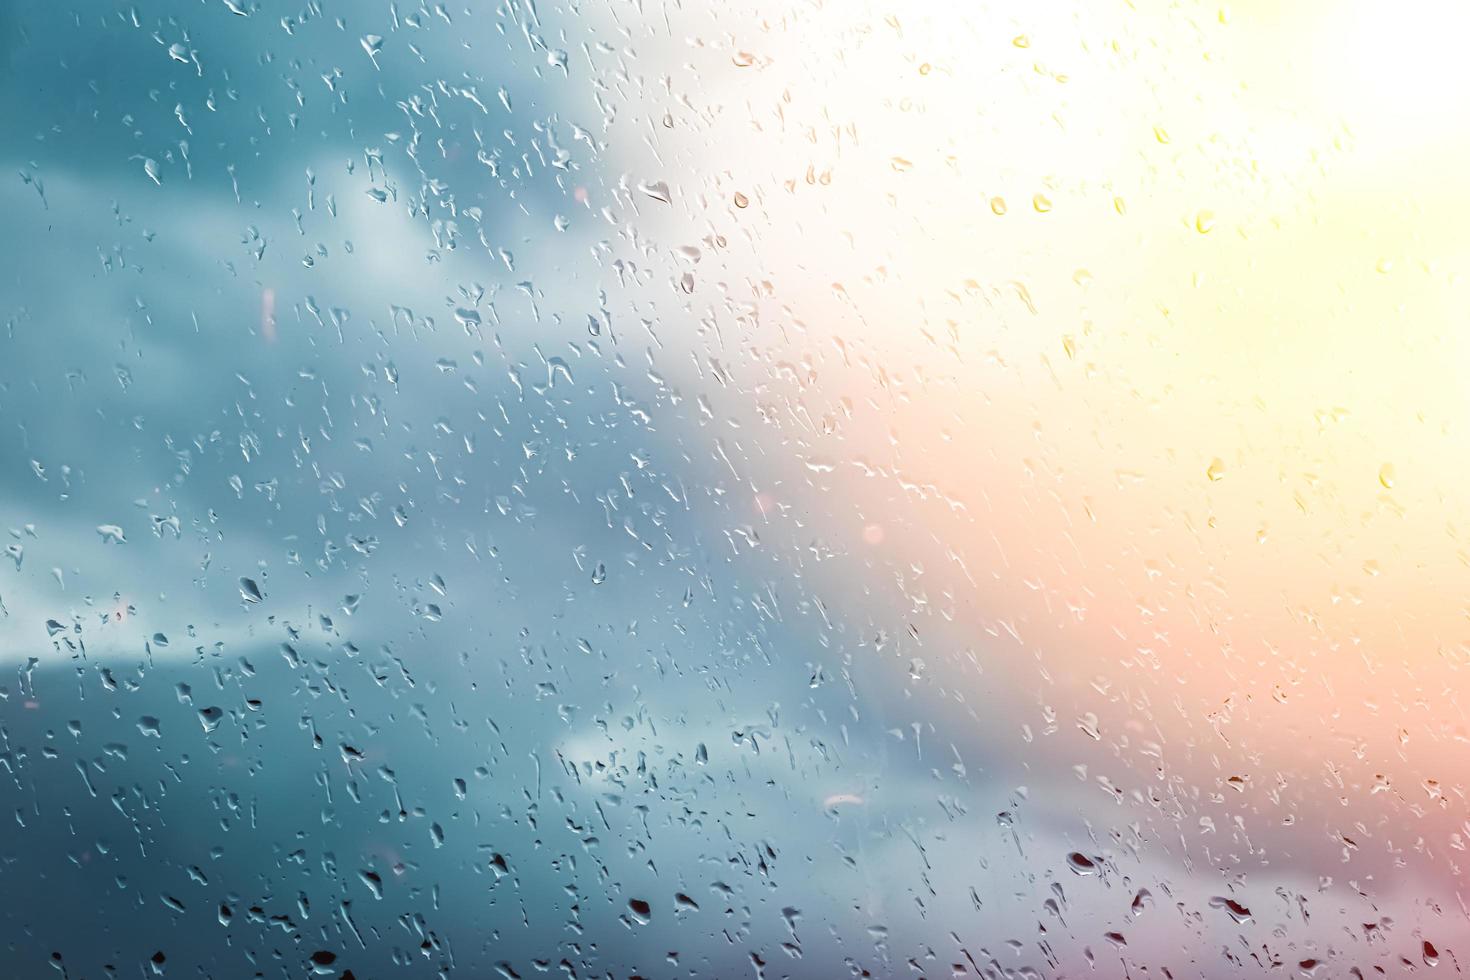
<point>721,490</point>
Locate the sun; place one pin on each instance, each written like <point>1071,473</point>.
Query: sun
<point>1398,69</point>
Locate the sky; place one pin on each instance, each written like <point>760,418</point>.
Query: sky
<point>692,490</point>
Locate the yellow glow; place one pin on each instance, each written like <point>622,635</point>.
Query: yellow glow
<point>1399,67</point>
<point>1136,305</point>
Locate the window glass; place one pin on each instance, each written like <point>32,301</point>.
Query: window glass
<point>719,489</point>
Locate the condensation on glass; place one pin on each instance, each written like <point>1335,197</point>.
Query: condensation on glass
<point>701,489</point>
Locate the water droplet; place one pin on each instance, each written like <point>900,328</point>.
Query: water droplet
<point>373,45</point>
<point>374,882</point>
<point>658,190</point>
<point>1236,911</point>
<point>1142,900</point>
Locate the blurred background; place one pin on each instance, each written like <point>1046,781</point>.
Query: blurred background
<point>727,490</point>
